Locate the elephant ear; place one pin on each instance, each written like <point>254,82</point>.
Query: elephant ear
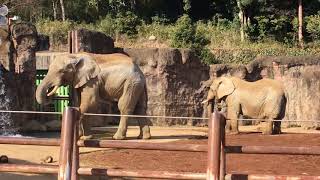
<point>85,69</point>
<point>225,87</point>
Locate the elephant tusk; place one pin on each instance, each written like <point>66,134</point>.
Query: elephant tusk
<point>53,91</point>
<point>205,101</point>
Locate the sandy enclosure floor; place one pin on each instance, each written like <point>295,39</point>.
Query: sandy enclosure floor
<point>180,161</point>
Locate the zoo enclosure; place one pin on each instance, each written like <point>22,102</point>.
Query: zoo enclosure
<point>69,153</point>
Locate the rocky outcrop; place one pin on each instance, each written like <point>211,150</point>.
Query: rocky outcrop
<point>18,72</point>
<point>175,84</point>
<point>93,42</point>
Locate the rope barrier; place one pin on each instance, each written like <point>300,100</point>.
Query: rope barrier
<point>143,116</point>
<point>277,120</point>
<point>30,112</point>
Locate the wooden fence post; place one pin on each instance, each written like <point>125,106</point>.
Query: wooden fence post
<point>75,154</point>
<point>222,150</point>
<point>214,146</point>
<point>66,147</point>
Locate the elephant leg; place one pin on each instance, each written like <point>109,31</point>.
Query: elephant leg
<point>89,104</point>
<point>277,127</point>
<point>233,115</point>
<point>84,128</point>
<point>126,105</point>
<point>228,126</point>
<point>143,122</point>
<point>268,128</point>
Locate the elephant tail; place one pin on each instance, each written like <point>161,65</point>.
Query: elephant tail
<point>145,98</point>
<point>284,100</point>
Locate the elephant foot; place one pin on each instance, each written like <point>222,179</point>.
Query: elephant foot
<point>86,137</point>
<point>276,132</point>
<point>118,136</point>
<point>267,132</point>
<point>232,132</point>
<point>144,136</point>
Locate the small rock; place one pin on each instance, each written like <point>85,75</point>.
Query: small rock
<point>47,159</point>
<point>4,159</point>
<point>152,38</point>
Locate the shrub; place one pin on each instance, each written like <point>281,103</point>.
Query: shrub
<point>263,27</point>
<point>56,30</point>
<point>107,26</point>
<point>126,23</point>
<point>159,27</point>
<point>185,35</point>
<point>313,26</point>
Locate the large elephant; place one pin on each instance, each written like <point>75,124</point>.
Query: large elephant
<point>262,99</point>
<point>96,77</point>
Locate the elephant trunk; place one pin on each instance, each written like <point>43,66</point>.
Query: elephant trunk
<point>42,95</point>
<point>210,101</point>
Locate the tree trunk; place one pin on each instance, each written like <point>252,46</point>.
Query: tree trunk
<point>133,5</point>
<point>54,7</point>
<point>300,20</point>
<point>241,19</point>
<point>62,10</point>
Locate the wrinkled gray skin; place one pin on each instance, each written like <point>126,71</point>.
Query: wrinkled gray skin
<point>263,99</point>
<point>95,78</point>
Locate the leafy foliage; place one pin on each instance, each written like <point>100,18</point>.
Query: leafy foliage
<point>313,26</point>
<point>209,26</point>
<point>127,23</point>
<point>185,35</point>
<point>56,30</point>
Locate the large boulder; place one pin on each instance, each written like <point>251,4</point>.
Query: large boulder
<point>43,43</point>
<point>94,42</point>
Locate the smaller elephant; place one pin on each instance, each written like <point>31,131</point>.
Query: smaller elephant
<point>262,99</point>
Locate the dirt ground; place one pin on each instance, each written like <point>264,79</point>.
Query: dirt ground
<point>183,161</point>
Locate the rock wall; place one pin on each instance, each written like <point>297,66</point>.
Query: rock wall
<point>174,82</point>
<point>18,69</point>
<point>300,77</point>
<point>177,82</point>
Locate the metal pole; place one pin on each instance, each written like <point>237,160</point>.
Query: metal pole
<point>25,168</point>
<point>141,173</point>
<point>123,144</point>
<point>214,146</point>
<point>143,145</point>
<point>222,150</point>
<point>75,153</point>
<point>66,147</point>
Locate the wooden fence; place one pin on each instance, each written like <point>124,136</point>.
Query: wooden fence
<point>68,168</point>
